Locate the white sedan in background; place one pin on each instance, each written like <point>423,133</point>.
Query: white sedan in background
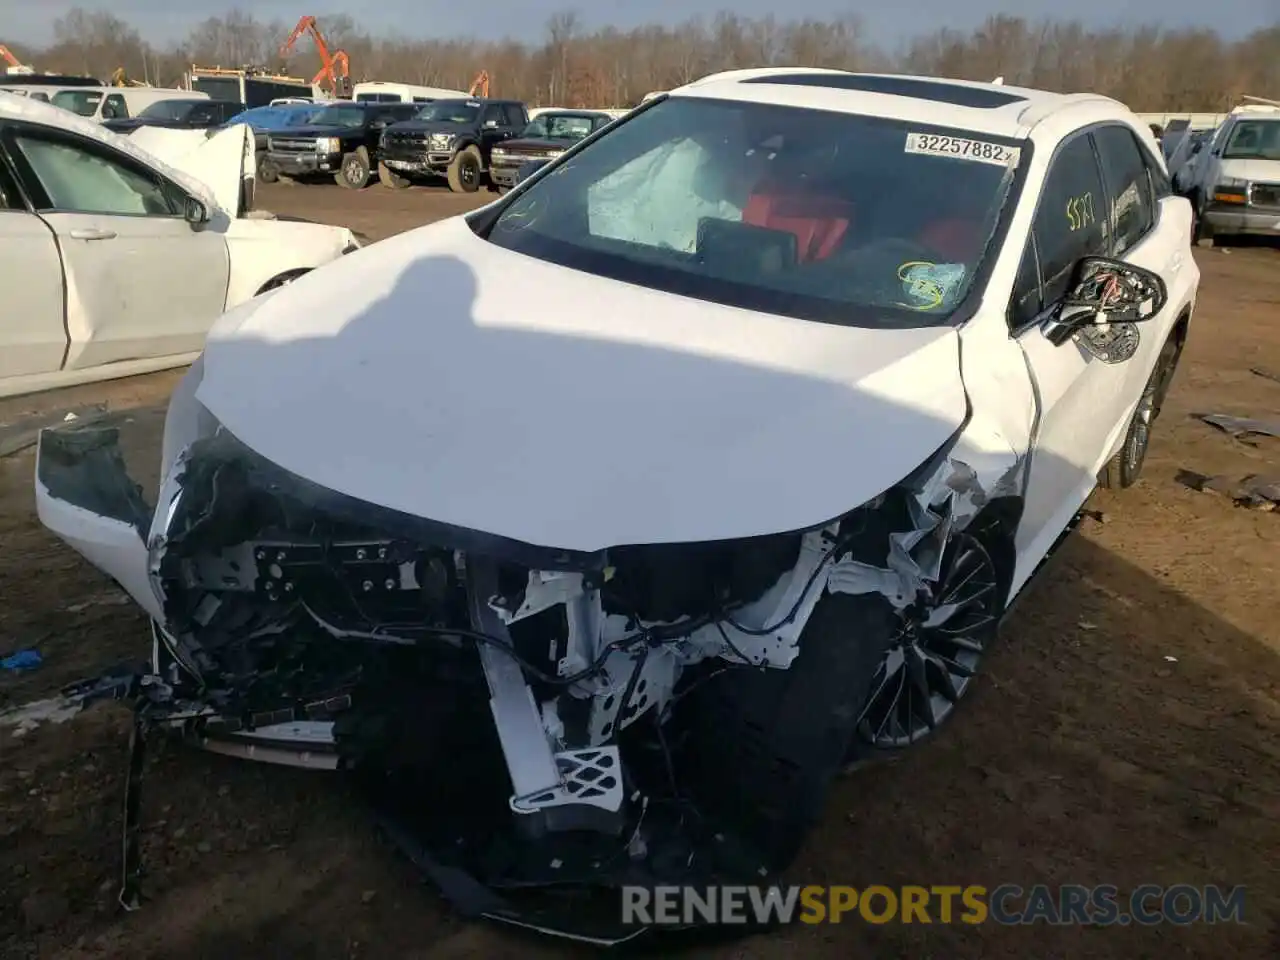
<point>115,262</point>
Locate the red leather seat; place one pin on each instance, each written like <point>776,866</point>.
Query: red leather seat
<point>819,223</point>
<point>956,241</point>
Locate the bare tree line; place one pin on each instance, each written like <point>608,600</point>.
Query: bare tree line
<point>1149,68</point>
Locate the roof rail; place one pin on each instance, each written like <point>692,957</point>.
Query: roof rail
<point>748,72</point>
<point>1038,110</point>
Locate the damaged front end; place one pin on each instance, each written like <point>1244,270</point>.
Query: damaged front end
<point>520,716</point>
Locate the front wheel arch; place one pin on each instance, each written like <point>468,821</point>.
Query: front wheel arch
<point>282,279</point>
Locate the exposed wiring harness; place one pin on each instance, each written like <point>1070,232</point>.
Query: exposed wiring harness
<point>647,636</point>
<point>479,636</point>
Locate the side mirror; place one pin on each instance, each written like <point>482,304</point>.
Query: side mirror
<point>528,169</point>
<point>490,124</point>
<point>1105,291</point>
<point>195,212</point>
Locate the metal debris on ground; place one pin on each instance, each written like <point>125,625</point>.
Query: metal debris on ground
<point>1253,491</point>
<point>1240,427</point>
<point>1265,373</point>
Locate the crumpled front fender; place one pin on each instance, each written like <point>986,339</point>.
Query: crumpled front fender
<point>85,495</point>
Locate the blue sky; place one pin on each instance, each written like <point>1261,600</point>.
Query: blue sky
<point>163,20</point>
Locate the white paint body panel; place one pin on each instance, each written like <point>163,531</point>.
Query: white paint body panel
<point>150,287</point>
<point>1066,409</point>
<point>657,418</point>
<point>143,295</point>
<point>263,248</point>
<point>217,161</point>
<point>33,338</point>
<point>110,545</point>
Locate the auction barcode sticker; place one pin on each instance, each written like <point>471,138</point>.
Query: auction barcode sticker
<point>983,151</point>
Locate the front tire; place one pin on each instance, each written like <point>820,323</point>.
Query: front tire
<point>268,172</point>
<point>937,651</point>
<point>464,171</point>
<point>1124,469</point>
<point>764,745</point>
<point>393,180</point>
<point>1201,233</point>
<point>354,172</point>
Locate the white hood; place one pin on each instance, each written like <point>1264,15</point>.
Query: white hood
<point>1255,170</point>
<point>444,377</point>
<point>24,108</point>
<point>218,161</point>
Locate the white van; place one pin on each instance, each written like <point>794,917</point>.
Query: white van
<point>32,91</point>
<point>378,91</point>
<point>117,103</point>
<point>42,86</point>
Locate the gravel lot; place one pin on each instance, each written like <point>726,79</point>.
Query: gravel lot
<point>1127,729</point>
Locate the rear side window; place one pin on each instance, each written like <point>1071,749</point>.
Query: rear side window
<point>1071,219</point>
<point>115,108</point>
<point>83,102</point>
<point>514,115</point>
<point>80,177</point>
<point>394,114</point>
<point>1128,186</point>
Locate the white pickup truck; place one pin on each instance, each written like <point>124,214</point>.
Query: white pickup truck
<point>1232,178</point>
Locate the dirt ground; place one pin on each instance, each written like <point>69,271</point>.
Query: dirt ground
<point>1127,729</point>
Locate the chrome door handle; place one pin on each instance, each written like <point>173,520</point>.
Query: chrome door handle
<point>93,233</point>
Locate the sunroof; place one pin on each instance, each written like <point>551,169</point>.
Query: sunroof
<point>953,93</point>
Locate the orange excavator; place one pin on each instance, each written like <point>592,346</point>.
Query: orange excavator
<point>15,65</point>
<point>480,85</point>
<point>335,68</point>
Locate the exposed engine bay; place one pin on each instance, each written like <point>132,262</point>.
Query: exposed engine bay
<point>535,712</point>
<point>264,589</point>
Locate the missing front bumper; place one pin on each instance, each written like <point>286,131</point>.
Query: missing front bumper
<point>454,761</point>
<point>566,885</point>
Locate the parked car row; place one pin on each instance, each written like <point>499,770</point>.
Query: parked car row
<point>396,133</point>
<point>466,141</point>
<point>1231,174</point>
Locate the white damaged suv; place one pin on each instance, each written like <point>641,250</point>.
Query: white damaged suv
<point>604,583</point>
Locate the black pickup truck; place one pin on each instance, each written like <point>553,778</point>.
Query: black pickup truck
<point>340,140</point>
<point>449,138</point>
<point>548,135</point>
